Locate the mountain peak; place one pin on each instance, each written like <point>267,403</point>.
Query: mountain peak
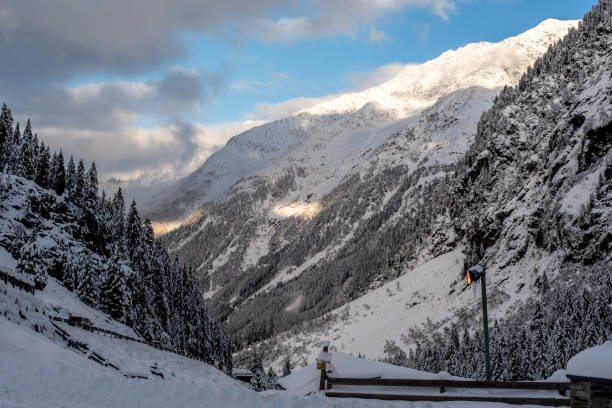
<point>351,119</point>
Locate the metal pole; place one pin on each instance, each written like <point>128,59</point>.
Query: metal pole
<point>485,323</point>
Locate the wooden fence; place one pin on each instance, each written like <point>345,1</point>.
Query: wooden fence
<point>16,283</point>
<point>442,385</point>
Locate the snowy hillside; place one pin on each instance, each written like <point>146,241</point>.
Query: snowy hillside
<point>38,368</point>
<point>305,243</point>
<point>262,212</point>
<point>55,224</point>
<point>326,141</point>
<point>305,247</point>
<point>531,200</point>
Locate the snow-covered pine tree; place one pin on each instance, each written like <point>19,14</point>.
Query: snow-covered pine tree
<point>498,352</point>
<point>271,380</point>
<point>154,274</point>
<point>538,356</point>
<point>112,296</point>
<point>6,135</point>
<point>118,220</point>
<point>71,182</point>
<point>80,185</point>
<point>58,174</point>
<point>28,153</point>
<point>42,166</point>
<point>29,263</point>
<point>88,281</point>
<point>90,216</point>
<point>133,230</point>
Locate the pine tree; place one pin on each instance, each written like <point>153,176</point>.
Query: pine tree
<point>93,231</point>
<point>112,296</point>
<point>538,357</point>
<point>42,167</point>
<point>71,181</point>
<point>498,353</point>
<point>28,153</point>
<point>30,264</point>
<point>59,174</point>
<point>88,282</point>
<point>118,220</point>
<point>6,136</point>
<point>80,184</point>
<point>287,366</point>
<point>133,231</point>
<point>271,380</point>
<point>50,176</point>
<point>14,164</point>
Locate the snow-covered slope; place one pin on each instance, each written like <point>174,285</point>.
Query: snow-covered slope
<point>344,186</point>
<point>326,141</point>
<point>532,200</point>
<point>39,370</point>
<point>411,198</point>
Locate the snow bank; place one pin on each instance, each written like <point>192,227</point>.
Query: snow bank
<point>306,380</point>
<point>593,362</point>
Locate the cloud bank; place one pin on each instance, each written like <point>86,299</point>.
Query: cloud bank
<point>148,128</point>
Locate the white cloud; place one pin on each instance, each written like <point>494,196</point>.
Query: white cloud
<point>279,110</point>
<point>364,80</point>
<point>378,37</point>
<point>340,17</point>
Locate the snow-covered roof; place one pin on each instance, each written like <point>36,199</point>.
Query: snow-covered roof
<point>241,372</point>
<point>594,362</point>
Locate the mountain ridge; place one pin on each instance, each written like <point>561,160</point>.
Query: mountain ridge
<point>415,88</point>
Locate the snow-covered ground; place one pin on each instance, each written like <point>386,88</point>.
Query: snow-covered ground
<point>38,372</point>
<point>38,369</point>
<point>342,365</point>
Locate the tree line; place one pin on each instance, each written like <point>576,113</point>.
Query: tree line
<point>108,256</point>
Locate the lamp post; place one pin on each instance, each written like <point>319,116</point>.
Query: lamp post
<point>474,274</point>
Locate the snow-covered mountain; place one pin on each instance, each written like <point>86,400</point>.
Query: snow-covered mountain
<point>532,200</point>
<point>388,183</point>
<point>327,141</point>
<point>274,178</point>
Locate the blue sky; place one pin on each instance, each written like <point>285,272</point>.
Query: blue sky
<point>150,88</point>
<point>319,66</point>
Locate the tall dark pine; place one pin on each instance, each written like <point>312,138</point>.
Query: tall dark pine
<point>71,180</point>
<point>42,166</point>
<point>112,296</point>
<point>58,174</point>
<point>133,230</point>
<point>88,282</point>
<point>118,220</point>
<point>90,210</point>
<point>13,163</point>
<point>28,153</point>
<point>6,136</point>
<point>80,183</point>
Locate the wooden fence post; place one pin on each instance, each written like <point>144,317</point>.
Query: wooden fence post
<point>322,361</point>
<point>590,392</point>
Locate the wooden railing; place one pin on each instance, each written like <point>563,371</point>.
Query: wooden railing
<point>442,385</point>
<point>16,283</point>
